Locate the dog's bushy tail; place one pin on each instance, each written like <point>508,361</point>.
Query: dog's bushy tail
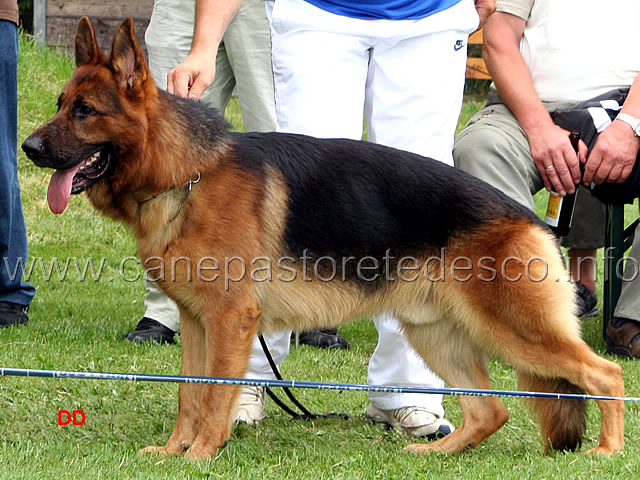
<point>562,422</point>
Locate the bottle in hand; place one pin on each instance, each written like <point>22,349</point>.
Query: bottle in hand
<point>560,209</point>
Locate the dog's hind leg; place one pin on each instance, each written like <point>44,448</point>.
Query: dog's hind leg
<point>612,412</point>
<point>451,355</point>
<point>572,362</point>
<point>193,363</point>
<point>524,314</point>
<point>543,344</point>
<point>536,332</point>
<point>229,337</point>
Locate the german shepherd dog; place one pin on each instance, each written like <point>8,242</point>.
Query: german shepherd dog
<point>299,232</point>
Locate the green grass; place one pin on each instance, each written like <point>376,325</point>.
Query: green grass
<point>77,325</point>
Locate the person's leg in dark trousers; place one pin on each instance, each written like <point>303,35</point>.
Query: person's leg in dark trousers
<point>15,295</point>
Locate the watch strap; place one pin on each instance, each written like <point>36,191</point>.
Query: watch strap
<point>633,122</point>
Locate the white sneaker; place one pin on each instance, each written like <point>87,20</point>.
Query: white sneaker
<point>414,421</point>
<point>250,405</point>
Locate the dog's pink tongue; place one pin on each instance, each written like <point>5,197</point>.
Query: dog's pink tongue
<point>60,189</point>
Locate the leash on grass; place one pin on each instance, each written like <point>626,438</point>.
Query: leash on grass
<point>306,414</point>
<point>135,377</point>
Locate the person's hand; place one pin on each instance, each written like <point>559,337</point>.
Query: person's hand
<point>192,77</point>
<point>556,159</point>
<point>613,156</point>
<point>485,8</point>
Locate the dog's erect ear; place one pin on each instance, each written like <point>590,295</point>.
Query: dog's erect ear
<point>87,50</point>
<point>127,59</point>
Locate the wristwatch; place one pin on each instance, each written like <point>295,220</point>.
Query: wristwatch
<point>634,123</point>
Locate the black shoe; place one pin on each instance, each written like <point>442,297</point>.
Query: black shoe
<point>587,302</point>
<point>13,314</point>
<point>150,329</point>
<point>325,338</point>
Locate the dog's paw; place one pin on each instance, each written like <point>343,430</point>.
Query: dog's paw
<point>419,448</point>
<point>448,444</point>
<point>202,451</point>
<point>154,450</point>
<point>195,454</point>
<point>164,450</point>
<point>600,450</point>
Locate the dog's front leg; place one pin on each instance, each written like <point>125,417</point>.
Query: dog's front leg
<point>229,337</point>
<point>193,364</point>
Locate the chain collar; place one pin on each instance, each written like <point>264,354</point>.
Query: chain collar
<point>184,189</point>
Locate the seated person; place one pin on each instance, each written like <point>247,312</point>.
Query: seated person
<point>514,144</point>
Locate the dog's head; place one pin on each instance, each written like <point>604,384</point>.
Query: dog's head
<point>101,115</point>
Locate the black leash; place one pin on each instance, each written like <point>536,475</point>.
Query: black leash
<point>306,414</point>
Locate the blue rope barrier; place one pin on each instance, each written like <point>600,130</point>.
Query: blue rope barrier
<point>473,392</point>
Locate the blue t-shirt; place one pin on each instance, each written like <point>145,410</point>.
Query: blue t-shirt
<point>384,9</point>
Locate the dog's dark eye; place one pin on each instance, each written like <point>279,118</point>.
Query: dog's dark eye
<point>84,110</point>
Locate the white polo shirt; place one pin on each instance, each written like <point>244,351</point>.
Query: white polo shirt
<point>577,49</point>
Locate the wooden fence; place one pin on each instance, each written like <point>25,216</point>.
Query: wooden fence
<point>55,21</point>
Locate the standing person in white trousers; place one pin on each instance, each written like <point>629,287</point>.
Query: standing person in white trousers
<point>334,60</point>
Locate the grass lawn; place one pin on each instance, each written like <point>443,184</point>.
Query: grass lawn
<point>77,320</point>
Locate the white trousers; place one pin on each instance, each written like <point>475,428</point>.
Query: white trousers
<point>407,78</point>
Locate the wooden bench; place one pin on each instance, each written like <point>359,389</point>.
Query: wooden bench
<point>476,68</point>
